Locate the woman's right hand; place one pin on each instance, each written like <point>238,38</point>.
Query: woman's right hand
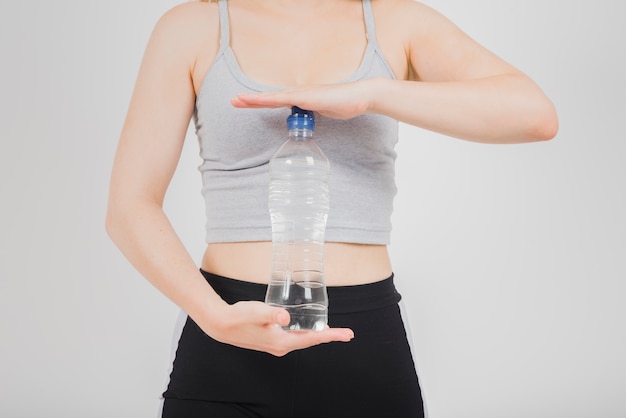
<point>257,326</point>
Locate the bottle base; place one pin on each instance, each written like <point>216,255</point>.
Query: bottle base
<point>306,317</point>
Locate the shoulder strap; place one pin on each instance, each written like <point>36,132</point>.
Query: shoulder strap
<point>370,26</point>
<point>224,24</point>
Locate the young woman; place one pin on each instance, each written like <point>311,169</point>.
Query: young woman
<point>236,67</point>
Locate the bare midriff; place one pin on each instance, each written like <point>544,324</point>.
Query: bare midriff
<point>344,264</point>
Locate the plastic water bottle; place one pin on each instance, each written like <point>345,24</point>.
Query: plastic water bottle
<point>298,205</point>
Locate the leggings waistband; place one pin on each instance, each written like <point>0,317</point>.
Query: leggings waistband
<point>341,299</point>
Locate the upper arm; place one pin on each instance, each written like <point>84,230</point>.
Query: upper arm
<point>161,107</point>
<point>439,51</point>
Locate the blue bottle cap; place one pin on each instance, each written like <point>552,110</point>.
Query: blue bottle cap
<point>301,119</point>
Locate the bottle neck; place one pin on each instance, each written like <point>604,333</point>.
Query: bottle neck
<point>300,134</point>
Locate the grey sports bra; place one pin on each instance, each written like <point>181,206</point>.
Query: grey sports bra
<point>237,144</point>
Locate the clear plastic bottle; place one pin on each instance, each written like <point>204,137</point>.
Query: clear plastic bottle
<point>299,204</point>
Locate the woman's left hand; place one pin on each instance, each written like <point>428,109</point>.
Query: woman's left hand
<point>337,101</point>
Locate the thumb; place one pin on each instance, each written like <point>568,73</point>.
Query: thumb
<point>280,316</point>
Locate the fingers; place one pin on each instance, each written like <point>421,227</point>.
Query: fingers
<point>257,326</point>
<point>335,334</point>
<point>305,339</point>
<point>310,98</point>
<point>255,101</point>
<point>339,101</point>
<point>297,340</point>
<point>281,317</point>
<point>263,314</point>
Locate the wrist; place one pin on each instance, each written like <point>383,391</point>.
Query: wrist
<point>206,308</point>
<point>377,89</point>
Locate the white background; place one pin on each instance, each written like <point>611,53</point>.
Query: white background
<point>511,259</point>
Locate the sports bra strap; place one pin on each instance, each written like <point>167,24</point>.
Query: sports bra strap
<point>370,26</point>
<point>224,25</point>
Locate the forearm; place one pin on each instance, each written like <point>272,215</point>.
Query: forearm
<point>145,236</point>
<point>499,109</point>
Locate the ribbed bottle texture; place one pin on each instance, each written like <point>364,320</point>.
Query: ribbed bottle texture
<point>298,206</point>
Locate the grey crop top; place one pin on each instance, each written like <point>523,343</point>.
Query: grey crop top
<point>237,144</point>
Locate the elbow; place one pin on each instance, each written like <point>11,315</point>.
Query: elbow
<point>115,220</point>
<point>123,214</point>
<point>541,123</point>
<point>537,118</point>
<point>546,125</point>
<point>111,222</point>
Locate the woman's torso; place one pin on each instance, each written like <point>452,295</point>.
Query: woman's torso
<point>336,39</point>
<point>345,264</point>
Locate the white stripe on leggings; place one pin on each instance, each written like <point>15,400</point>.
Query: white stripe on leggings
<point>178,331</point>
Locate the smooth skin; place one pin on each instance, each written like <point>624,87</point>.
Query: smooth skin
<point>445,82</point>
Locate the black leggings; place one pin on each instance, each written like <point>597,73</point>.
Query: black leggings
<point>371,376</point>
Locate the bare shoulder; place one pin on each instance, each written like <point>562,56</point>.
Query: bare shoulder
<point>405,6</point>
<point>425,27</point>
<point>412,17</point>
<point>435,48</point>
<point>188,34</point>
<point>399,23</point>
<point>188,20</point>
<point>190,12</point>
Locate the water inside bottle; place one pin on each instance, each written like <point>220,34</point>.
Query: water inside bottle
<point>302,300</point>
<point>307,317</point>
